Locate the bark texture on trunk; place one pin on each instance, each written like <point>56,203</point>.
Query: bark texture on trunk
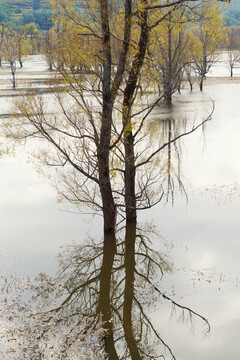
<point>109,208</point>
<point>130,172</point>
<point>110,91</point>
<point>130,169</point>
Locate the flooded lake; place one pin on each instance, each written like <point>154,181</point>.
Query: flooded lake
<point>197,233</point>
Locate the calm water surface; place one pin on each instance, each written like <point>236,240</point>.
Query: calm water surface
<point>206,231</point>
<point>202,233</point>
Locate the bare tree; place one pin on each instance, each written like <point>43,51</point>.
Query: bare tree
<point>49,45</point>
<point>190,74</point>
<point>3,27</point>
<point>11,55</point>
<point>21,48</point>
<point>232,46</point>
<point>171,48</point>
<point>207,38</point>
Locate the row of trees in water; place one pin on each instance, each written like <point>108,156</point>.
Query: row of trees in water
<point>180,49</point>
<point>110,62</point>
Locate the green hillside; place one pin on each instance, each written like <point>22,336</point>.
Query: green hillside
<point>232,13</point>
<point>16,13</point>
<point>20,12</point>
<point>20,6</point>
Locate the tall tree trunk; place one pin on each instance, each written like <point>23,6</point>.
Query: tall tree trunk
<point>109,208</point>
<point>130,170</point>
<point>168,91</point>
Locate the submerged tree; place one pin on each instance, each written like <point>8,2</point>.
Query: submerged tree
<point>29,31</point>
<point>232,45</point>
<point>207,38</point>
<point>49,45</point>
<point>11,52</point>
<point>170,48</point>
<point>97,135</point>
<point>21,44</point>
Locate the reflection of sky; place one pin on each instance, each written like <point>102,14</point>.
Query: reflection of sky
<point>32,225</point>
<point>206,238</point>
<point>205,232</point>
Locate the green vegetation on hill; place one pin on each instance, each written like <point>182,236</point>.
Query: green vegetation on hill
<point>20,12</point>
<point>41,16</point>
<point>5,11</point>
<point>232,13</point>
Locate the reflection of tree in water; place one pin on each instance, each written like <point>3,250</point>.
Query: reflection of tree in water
<point>117,294</point>
<point>106,296</point>
<point>99,304</point>
<point>169,129</point>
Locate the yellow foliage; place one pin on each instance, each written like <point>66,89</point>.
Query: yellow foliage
<point>210,33</point>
